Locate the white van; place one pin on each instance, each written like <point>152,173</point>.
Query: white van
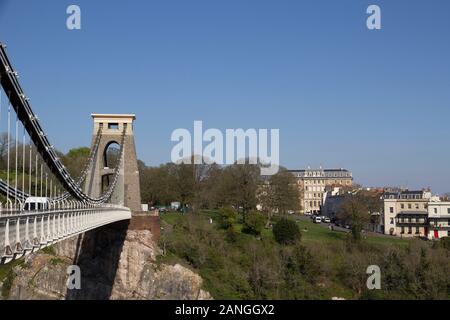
<point>317,220</point>
<point>36,203</point>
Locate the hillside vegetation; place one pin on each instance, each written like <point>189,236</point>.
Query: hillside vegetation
<point>237,264</point>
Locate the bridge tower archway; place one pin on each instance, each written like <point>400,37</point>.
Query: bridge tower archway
<point>115,128</point>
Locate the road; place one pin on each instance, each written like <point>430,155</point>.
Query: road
<point>341,229</point>
<point>325,225</point>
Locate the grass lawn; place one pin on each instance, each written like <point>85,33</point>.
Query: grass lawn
<point>170,217</point>
<point>310,231</point>
<point>384,240</point>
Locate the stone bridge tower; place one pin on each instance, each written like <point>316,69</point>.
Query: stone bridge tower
<point>127,190</point>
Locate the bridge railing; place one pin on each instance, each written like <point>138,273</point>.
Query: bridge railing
<point>23,232</point>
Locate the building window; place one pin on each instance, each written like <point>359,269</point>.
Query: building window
<point>402,230</point>
<point>435,210</point>
<point>391,209</point>
<point>417,206</point>
<point>409,205</point>
<point>409,230</point>
<point>448,210</point>
<point>113,126</point>
<point>402,206</point>
<point>392,220</point>
<point>417,230</point>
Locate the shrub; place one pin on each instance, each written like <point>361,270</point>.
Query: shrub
<point>7,284</point>
<point>254,223</point>
<point>286,231</point>
<point>228,218</point>
<point>230,235</point>
<point>445,242</point>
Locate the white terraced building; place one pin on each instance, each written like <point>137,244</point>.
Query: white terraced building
<point>439,220</point>
<point>416,214</point>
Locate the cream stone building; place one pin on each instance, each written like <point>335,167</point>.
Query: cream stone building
<point>406,213</point>
<point>438,219</point>
<point>312,183</point>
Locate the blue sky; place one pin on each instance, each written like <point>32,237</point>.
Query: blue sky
<point>375,102</point>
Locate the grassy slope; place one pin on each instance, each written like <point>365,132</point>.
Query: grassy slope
<point>313,236</point>
<point>311,232</point>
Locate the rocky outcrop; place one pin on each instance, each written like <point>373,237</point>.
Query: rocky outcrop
<point>138,277</point>
<point>115,263</point>
<point>43,276</point>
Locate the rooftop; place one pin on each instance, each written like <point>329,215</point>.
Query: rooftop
<point>325,170</point>
<point>113,116</point>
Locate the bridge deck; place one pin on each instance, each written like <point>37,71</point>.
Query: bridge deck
<point>28,231</point>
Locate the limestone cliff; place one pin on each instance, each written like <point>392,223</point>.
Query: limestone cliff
<point>116,262</point>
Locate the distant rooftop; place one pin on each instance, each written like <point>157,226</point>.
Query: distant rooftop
<point>407,194</point>
<point>324,173</point>
<point>325,170</point>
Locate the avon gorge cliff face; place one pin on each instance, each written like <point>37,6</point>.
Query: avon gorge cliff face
<point>116,262</point>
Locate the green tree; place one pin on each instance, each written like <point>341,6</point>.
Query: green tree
<point>445,243</point>
<point>279,193</point>
<point>183,182</point>
<point>299,262</point>
<point>228,218</point>
<point>75,160</point>
<point>286,231</point>
<point>157,185</point>
<point>208,195</point>
<point>254,223</point>
<point>354,211</point>
<point>238,186</point>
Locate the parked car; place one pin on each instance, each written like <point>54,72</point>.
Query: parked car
<point>291,212</point>
<point>327,220</point>
<point>317,220</point>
